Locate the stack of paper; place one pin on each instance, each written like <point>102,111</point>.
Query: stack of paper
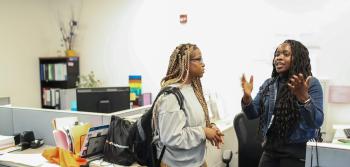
<point>6,142</point>
<point>64,122</point>
<point>24,159</point>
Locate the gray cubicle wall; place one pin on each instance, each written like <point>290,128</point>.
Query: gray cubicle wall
<point>327,157</point>
<point>16,120</point>
<point>39,121</point>
<point>6,121</point>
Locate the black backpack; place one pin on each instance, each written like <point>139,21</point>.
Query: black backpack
<point>127,142</point>
<point>142,134</point>
<point>117,147</point>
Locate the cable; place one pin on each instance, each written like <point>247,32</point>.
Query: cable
<point>312,150</point>
<point>318,138</point>
<point>317,156</point>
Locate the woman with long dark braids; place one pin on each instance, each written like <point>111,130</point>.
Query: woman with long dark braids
<point>289,106</point>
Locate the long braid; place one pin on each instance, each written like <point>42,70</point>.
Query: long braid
<point>199,93</point>
<point>287,115</point>
<point>178,65</point>
<point>178,72</point>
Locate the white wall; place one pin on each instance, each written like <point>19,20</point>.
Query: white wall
<point>26,33</point>
<point>121,37</point>
<point>235,37</point>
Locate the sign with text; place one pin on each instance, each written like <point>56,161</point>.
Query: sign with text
<point>339,94</point>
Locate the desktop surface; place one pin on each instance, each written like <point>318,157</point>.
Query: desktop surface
<point>28,157</point>
<point>32,157</point>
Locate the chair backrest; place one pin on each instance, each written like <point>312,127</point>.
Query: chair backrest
<point>249,145</point>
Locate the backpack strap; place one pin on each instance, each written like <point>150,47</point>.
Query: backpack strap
<point>113,118</point>
<point>180,99</point>
<point>179,96</point>
<point>171,90</point>
<point>161,156</point>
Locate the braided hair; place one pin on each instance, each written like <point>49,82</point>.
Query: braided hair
<point>178,72</point>
<point>286,108</point>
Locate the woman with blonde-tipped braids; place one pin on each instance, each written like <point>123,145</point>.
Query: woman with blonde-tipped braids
<point>184,132</point>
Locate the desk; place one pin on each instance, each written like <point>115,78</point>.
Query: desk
<point>26,158</point>
<point>339,133</point>
<point>101,163</point>
<point>335,154</point>
<point>213,155</point>
<point>33,158</point>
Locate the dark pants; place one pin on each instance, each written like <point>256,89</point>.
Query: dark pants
<point>289,155</point>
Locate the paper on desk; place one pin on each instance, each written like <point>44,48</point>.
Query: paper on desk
<point>10,149</point>
<point>60,123</point>
<point>25,159</point>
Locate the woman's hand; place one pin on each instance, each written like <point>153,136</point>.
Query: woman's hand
<point>247,89</point>
<point>219,134</point>
<point>299,87</point>
<point>210,133</point>
<point>214,136</point>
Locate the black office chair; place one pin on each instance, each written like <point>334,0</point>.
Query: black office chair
<point>249,146</point>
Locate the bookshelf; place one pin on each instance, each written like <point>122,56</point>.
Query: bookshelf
<point>56,73</point>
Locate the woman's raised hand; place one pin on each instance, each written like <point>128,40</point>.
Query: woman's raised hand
<point>247,89</point>
<point>300,86</point>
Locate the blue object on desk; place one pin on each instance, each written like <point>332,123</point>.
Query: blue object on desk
<point>73,105</point>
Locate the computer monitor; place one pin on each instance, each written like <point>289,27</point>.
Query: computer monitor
<point>103,100</point>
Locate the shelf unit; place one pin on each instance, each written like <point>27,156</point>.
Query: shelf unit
<point>56,73</point>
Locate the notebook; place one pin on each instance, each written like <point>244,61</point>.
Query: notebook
<point>94,142</point>
<point>60,139</point>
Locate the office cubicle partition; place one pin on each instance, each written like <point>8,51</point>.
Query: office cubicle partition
<point>6,121</point>
<point>16,120</point>
<point>39,121</point>
<point>327,155</point>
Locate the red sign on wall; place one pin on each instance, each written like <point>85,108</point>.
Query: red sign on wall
<point>183,18</point>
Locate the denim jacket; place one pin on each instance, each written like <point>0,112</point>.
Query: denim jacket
<point>311,114</point>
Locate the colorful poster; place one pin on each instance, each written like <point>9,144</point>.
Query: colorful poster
<point>135,85</point>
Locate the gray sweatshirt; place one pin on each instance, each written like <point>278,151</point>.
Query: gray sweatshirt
<point>181,131</point>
